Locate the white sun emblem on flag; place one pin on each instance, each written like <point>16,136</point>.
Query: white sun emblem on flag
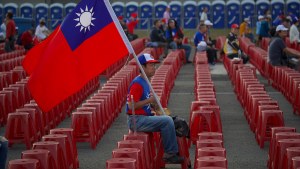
<point>85,18</point>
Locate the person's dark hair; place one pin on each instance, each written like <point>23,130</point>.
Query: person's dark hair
<point>9,14</point>
<point>155,21</point>
<point>286,20</point>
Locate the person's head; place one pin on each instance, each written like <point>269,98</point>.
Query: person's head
<point>208,23</point>
<point>148,64</point>
<point>172,23</point>
<point>31,31</point>
<point>157,23</point>
<point>247,20</point>
<point>205,9</point>
<point>168,8</point>
<point>42,22</point>
<point>295,21</point>
<point>234,28</point>
<point>260,17</point>
<point>286,22</point>
<point>281,31</point>
<point>9,15</point>
<point>202,28</point>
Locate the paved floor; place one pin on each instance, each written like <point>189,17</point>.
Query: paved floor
<point>242,149</point>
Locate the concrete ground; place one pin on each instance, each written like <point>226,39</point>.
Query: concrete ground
<point>242,149</point>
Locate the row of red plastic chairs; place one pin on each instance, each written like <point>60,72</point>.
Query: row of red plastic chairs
<point>138,150</point>
<point>205,121</point>
<point>264,117</point>
<point>36,123</point>
<point>283,78</point>
<point>11,77</point>
<point>10,64</point>
<point>93,118</point>
<point>288,155</point>
<point>56,150</point>
<point>19,50</point>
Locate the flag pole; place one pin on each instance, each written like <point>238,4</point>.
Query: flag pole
<point>131,51</point>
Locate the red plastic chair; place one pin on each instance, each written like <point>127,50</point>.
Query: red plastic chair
<point>24,164</point>
<point>129,153</point>
<point>209,151</point>
<point>212,161</point>
<point>274,131</point>
<point>147,138</point>
<point>270,118</point>
<point>83,124</point>
<point>20,128</point>
<point>55,151</point>
<point>45,159</point>
<point>65,145</point>
<point>69,133</point>
<point>121,163</point>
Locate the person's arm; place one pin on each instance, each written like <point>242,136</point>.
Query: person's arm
<point>294,54</point>
<point>136,91</point>
<point>232,42</point>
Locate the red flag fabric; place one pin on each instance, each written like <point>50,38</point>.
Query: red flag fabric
<point>88,41</point>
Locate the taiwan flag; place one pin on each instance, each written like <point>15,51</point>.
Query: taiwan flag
<point>89,40</point>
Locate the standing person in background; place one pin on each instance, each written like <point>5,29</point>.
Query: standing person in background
<point>258,26</point>
<point>174,36</point>
<point>132,22</point>
<point>42,31</point>
<point>10,33</point>
<point>204,14</point>
<point>3,151</point>
<point>166,16</point>
<point>264,31</point>
<point>294,32</point>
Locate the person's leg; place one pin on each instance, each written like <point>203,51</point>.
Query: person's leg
<point>172,45</point>
<point>3,153</point>
<point>7,46</point>
<point>165,46</point>
<point>163,124</point>
<point>211,54</point>
<point>187,49</point>
<point>12,44</point>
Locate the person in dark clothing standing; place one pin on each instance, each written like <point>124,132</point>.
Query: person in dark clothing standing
<point>158,38</point>
<point>10,33</point>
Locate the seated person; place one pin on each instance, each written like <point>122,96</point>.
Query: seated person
<point>231,46</point>
<point>175,36</point>
<point>158,38</point>
<point>142,118</point>
<point>199,37</point>
<point>3,151</point>
<point>130,36</point>
<point>279,54</point>
<point>42,31</point>
<point>27,39</point>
